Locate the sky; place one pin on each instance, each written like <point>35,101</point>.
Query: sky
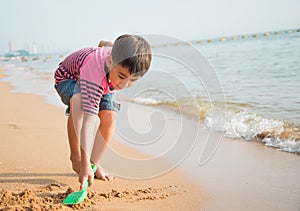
<point>67,25</point>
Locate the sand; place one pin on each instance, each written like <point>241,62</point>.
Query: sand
<point>36,174</point>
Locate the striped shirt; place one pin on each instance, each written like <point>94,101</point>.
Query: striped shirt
<point>86,66</point>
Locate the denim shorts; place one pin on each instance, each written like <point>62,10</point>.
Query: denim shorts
<point>66,89</point>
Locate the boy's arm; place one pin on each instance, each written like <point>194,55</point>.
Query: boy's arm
<point>105,43</point>
<point>87,137</point>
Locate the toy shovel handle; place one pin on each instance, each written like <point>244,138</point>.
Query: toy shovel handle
<point>86,184</point>
<point>94,167</point>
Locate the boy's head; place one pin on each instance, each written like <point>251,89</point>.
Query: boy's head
<point>130,59</point>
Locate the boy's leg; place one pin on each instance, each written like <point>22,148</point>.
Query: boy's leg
<point>103,138</point>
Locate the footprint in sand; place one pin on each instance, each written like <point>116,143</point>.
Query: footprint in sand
<point>11,126</point>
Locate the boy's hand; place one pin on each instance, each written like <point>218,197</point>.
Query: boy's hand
<point>86,173</point>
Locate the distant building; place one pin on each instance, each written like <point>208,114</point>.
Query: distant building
<point>13,52</point>
<point>11,46</point>
<point>34,49</point>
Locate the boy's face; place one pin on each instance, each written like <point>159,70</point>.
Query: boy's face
<point>120,77</point>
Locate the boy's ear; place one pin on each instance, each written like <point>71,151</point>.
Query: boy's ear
<point>108,62</point>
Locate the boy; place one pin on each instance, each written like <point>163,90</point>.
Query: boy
<point>85,81</point>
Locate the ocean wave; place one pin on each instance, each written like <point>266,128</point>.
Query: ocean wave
<point>273,132</point>
<point>236,121</point>
<point>146,101</point>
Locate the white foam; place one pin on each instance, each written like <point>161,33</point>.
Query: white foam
<point>146,101</point>
<point>248,126</point>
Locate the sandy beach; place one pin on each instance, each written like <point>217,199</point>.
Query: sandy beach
<point>36,174</point>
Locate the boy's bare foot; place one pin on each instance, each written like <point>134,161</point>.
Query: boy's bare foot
<point>102,175</point>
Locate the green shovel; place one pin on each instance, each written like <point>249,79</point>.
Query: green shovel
<point>79,196</point>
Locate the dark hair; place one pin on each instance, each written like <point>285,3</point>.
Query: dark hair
<point>133,52</point>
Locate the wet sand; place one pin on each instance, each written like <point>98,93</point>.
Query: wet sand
<point>239,175</point>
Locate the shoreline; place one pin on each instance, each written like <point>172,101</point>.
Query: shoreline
<point>34,159</point>
<point>245,124</point>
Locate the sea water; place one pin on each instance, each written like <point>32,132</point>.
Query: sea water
<point>259,78</point>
